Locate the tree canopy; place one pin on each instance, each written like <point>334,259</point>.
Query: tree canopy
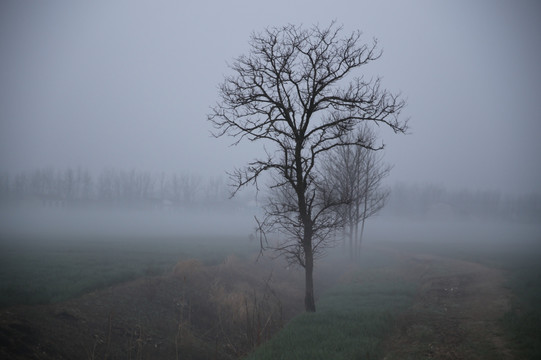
<point>295,90</point>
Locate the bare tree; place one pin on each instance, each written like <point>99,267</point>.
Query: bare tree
<point>357,173</point>
<point>293,91</point>
<point>184,189</point>
<point>374,197</point>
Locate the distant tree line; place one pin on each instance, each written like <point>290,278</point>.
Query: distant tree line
<point>112,187</point>
<point>436,202</point>
<point>135,188</point>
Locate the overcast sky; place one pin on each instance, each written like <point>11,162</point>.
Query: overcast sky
<point>128,84</point>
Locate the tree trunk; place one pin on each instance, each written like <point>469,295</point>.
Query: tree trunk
<point>361,235</point>
<point>365,209</point>
<point>355,253</point>
<point>309,301</point>
<point>351,240</point>
<point>304,212</point>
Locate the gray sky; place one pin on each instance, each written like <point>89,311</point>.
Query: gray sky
<point>128,84</point>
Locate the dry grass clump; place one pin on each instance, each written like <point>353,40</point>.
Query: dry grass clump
<point>247,307</point>
<point>228,308</point>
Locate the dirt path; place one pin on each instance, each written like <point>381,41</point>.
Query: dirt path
<point>455,314</point>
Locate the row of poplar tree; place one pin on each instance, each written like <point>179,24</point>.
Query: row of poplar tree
<point>78,186</point>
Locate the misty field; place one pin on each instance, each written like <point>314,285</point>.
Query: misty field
<point>412,294</point>
<point>47,270</point>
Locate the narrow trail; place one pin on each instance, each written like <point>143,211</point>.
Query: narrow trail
<point>455,314</point>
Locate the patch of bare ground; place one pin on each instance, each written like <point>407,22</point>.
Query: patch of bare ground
<point>194,312</point>
<point>455,314</point>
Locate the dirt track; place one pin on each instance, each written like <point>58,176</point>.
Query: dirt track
<point>455,314</point>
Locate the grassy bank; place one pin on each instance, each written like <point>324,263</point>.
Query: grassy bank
<point>352,319</point>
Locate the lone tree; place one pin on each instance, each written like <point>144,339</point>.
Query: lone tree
<point>294,92</point>
<point>356,174</point>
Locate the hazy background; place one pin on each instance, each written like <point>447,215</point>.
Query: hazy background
<point>128,84</point>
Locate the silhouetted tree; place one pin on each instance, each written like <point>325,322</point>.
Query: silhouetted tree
<point>356,173</point>
<point>293,91</point>
<point>105,186</point>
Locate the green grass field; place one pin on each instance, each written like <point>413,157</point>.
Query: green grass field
<point>352,322</point>
<point>353,318</point>
<point>40,271</point>
<point>523,321</point>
